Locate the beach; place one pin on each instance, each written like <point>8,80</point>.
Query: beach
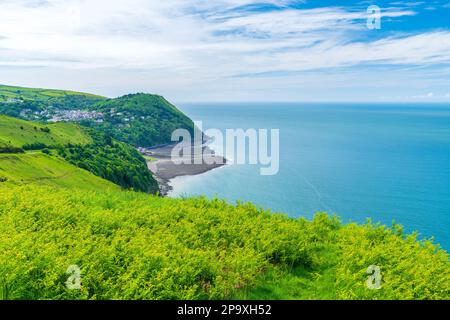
<point>165,167</point>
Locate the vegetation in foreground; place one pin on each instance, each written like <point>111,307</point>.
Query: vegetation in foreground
<point>134,246</point>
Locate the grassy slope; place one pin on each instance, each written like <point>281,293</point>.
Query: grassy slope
<point>151,119</point>
<point>155,119</point>
<point>115,162</point>
<point>22,168</point>
<point>16,133</point>
<point>132,246</point>
<point>37,167</point>
<point>299,283</point>
<point>42,169</point>
<point>410,269</point>
<point>12,92</point>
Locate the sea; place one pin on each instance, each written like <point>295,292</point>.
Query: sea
<point>384,162</point>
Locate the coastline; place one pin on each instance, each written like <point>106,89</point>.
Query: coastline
<point>164,168</point>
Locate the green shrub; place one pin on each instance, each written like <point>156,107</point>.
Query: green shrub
<point>35,146</point>
<point>134,246</point>
<point>8,149</point>
<point>410,269</point>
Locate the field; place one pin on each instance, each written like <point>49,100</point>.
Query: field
<point>16,133</point>
<point>84,148</point>
<point>34,166</point>
<point>12,92</point>
<point>42,169</point>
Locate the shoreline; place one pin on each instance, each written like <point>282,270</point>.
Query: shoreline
<point>164,168</point>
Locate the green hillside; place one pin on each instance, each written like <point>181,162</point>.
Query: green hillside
<point>140,119</point>
<point>112,160</point>
<point>42,169</point>
<point>8,93</point>
<point>83,147</point>
<point>132,246</point>
<point>143,120</point>
<point>37,103</point>
<point>17,133</point>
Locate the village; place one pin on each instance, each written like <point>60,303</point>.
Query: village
<point>52,114</point>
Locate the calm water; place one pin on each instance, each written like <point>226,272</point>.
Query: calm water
<point>386,162</point>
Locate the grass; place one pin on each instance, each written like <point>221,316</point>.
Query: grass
<point>298,283</point>
<point>42,169</point>
<point>16,133</point>
<point>13,92</point>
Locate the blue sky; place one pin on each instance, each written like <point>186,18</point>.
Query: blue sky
<point>230,50</point>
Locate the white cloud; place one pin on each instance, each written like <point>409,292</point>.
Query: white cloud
<point>201,41</point>
<point>162,35</point>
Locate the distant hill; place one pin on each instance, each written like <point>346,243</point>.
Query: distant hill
<point>12,93</point>
<point>14,100</point>
<point>140,119</point>
<point>143,120</point>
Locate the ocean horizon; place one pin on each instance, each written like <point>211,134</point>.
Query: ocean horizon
<point>384,162</point>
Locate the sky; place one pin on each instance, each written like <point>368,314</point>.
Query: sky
<point>231,50</point>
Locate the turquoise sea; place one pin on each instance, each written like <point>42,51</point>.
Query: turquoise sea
<point>381,161</point>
